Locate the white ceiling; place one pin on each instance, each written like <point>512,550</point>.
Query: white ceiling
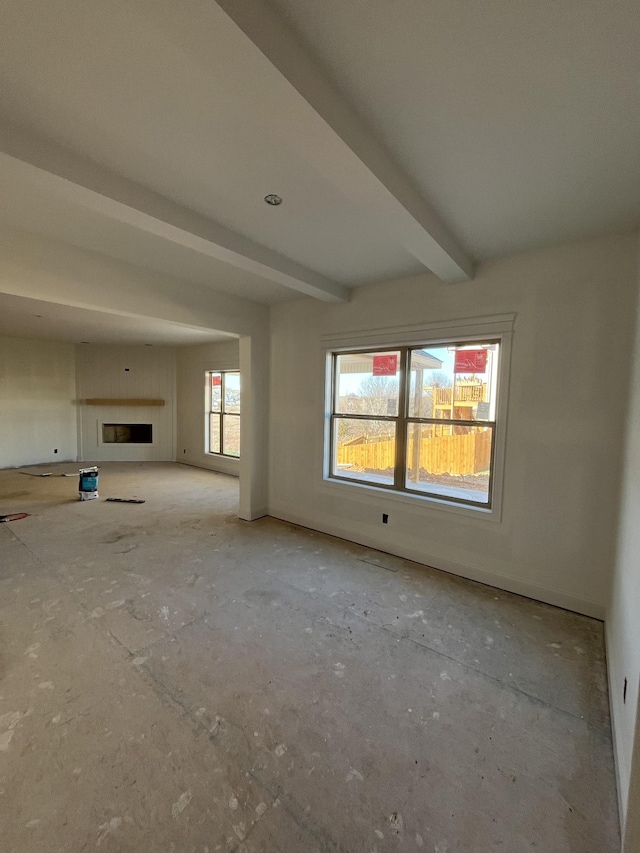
<point>34,208</point>
<point>34,318</point>
<point>519,118</point>
<point>160,96</point>
<point>489,128</point>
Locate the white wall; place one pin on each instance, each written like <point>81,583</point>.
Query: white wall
<point>574,309</point>
<point>623,618</point>
<point>192,365</point>
<point>102,372</point>
<point>37,402</point>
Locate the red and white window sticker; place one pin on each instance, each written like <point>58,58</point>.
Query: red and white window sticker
<point>385,365</point>
<point>470,361</point>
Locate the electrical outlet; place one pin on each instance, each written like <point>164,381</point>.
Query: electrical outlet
<point>56,450</point>
<point>184,451</point>
<point>385,518</point>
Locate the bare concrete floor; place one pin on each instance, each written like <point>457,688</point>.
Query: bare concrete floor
<point>173,679</point>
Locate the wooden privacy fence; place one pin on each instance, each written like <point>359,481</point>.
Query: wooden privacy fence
<point>441,454</point>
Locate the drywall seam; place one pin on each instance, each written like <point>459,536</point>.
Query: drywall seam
<point>608,642</point>
<point>174,411</point>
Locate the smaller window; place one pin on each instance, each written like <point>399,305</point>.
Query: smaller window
<point>223,411</point>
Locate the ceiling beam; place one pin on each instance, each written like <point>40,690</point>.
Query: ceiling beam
<point>341,146</point>
<point>77,179</point>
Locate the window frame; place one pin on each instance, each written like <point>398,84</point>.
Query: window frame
<point>402,421</point>
<point>465,331</point>
<point>222,414</point>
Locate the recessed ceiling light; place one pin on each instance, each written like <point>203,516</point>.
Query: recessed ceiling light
<point>273,199</point>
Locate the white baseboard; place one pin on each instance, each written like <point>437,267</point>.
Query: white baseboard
<point>232,469</point>
<point>555,597</point>
<point>254,514</point>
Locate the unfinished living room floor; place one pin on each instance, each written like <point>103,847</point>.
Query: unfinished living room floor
<point>174,679</point>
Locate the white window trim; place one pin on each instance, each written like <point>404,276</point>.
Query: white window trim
<point>207,412</point>
<point>493,327</point>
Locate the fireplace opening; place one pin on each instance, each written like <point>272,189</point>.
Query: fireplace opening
<point>127,433</point>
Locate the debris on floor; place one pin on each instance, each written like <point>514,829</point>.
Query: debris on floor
<point>13,516</point>
<point>48,474</point>
<point>383,561</point>
<point>165,654</point>
<point>126,500</point>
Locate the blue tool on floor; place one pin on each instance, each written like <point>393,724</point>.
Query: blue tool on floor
<point>88,485</point>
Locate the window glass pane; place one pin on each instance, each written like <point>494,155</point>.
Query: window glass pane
<point>231,431</point>
<point>367,383</point>
<point>449,460</point>
<point>214,433</point>
<point>364,449</point>
<point>216,391</point>
<point>232,393</point>
<point>454,382</point>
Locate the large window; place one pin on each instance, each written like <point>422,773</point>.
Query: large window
<point>417,419</point>
<point>223,404</point>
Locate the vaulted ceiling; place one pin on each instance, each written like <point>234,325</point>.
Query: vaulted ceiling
<point>402,135</point>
